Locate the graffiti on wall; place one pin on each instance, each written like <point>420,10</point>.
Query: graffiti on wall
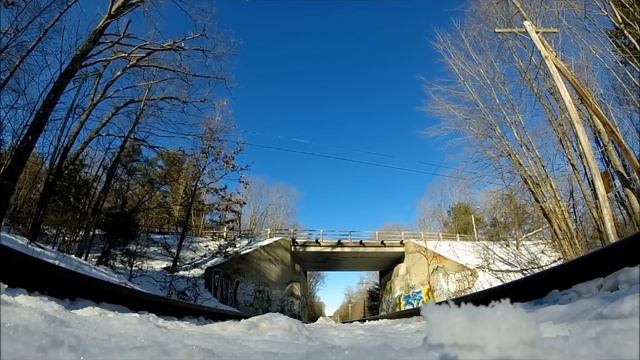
<point>256,298</point>
<point>388,302</point>
<point>414,298</point>
<point>404,300</point>
<point>262,301</point>
<point>223,288</point>
<point>455,284</point>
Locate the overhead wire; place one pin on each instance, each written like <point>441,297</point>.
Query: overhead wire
<point>357,150</point>
<point>351,160</point>
<point>362,162</point>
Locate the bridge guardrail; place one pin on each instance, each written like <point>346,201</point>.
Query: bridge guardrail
<point>342,235</point>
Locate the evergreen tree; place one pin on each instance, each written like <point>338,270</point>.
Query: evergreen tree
<point>460,219</point>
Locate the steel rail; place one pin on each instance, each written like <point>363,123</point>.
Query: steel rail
<point>21,270</point>
<point>596,264</point>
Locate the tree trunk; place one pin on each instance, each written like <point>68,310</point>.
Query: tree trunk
<point>47,187</point>
<point>185,224</point>
<point>16,163</point>
<point>85,244</point>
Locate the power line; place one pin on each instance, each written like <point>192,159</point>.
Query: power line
<point>355,150</point>
<point>362,162</point>
<point>340,158</point>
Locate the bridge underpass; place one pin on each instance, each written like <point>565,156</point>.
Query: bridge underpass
<point>269,275</point>
<point>334,256</point>
<point>343,250</point>
<point>334,250</point>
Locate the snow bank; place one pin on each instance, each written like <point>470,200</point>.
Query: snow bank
<point>497,262</point>
<point>67,261</point>
<point>152,280</point>
<point>244,246</point>
<point>597,319</point>
<point>594,320</point>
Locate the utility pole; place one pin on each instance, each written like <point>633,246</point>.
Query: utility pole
<point>364,305</point>
<point>475,232</point>
<point>585,95</point>
<point>581,135</point>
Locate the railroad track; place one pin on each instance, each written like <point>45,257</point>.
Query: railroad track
<point>20,270</point>
<point>33,274</point>
<point>598,263</point>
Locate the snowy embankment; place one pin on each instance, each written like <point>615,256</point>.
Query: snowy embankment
<point>152,279</point>
<point>594,320</point>
<point>66,261</point>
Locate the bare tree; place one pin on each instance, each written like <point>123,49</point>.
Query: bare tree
<point>210,163</point>
<point>268,206</point>
<point>437,198</point>
<point>109,178</point>
<point>505,96</point>
<point>315,281</point>
<point>14,166</point>
<point>482,103</point>
<point>109,70</point>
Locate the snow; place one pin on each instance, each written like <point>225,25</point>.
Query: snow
<point>593,320</point>
<point>245,246</point>
<point>497,262</point>
<point>67,261</point>
<point>150,278</point>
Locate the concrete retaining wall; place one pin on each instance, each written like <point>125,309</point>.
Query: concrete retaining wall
<point>261,281</point>
<point>423,276</point>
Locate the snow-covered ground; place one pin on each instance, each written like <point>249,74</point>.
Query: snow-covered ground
<point>21,244</point>
<point>594,320</point>
<point>497,262</point>
<point>149,276</point>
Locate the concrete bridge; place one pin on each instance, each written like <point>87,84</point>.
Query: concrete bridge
<point>348,250</point>
<point>334,250</point>
<point>269,272</point>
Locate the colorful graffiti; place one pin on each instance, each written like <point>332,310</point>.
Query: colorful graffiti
<point>406,300</point>
<point>414,298</point>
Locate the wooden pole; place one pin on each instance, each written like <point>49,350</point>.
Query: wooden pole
<point>586,97</point>
<point>581,135</point>
<point>591,103</point>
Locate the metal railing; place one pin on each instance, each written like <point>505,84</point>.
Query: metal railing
<point>341,235</point>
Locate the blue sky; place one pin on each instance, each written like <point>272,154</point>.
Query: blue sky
<point>338,79</point>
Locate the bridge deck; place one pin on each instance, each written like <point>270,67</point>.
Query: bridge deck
<point>343,235</point>
<point>344,250</point>
<point>347,256</point>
